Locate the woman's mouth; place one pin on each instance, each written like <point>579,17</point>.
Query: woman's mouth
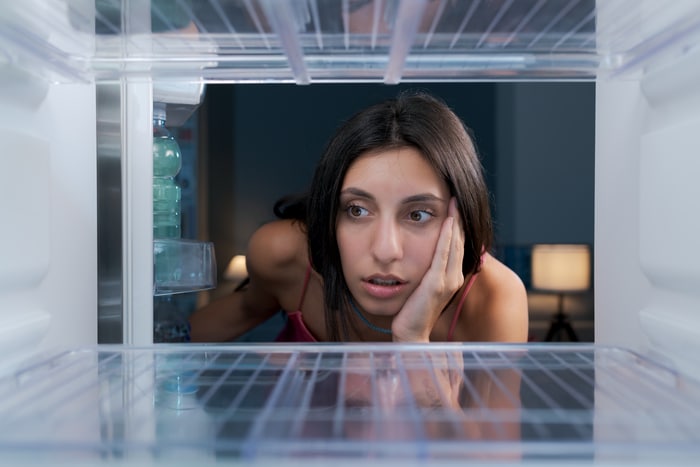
<point>378,281</point>
<point>383,287</point>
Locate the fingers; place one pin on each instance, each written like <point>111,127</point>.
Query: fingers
<point>453,268</point>
<point>449,251</point>
<point>454,212</point>
<point>443,247</point>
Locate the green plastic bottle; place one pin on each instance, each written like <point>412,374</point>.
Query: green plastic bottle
<point>167,162</point>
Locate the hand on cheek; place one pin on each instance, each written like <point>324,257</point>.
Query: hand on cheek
<point>416,319</point>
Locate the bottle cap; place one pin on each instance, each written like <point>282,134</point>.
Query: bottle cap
<point>159,112</point>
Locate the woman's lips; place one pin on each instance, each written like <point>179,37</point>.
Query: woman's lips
<point>383,288</point>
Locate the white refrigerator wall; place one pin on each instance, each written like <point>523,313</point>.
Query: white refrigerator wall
<point>48,239</point>
<point>621,289</point>
<point>647,253</point>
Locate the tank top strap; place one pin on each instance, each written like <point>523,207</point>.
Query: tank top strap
<point>306,284</point>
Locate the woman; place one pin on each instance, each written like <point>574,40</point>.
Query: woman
<point>391,244</point>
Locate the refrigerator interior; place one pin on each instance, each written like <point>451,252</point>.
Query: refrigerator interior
<point>78,77</point>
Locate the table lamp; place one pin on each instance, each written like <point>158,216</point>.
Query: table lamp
<point>236,269</point>
<point>561,269</point>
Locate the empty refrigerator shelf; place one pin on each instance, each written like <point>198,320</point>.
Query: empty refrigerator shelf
<point>302,403</point>
<point>308,41</point>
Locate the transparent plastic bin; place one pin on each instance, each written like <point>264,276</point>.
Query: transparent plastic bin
<point>181,266</point>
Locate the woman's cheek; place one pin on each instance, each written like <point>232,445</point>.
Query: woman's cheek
<point>347,247</point>
<point>423,246</point>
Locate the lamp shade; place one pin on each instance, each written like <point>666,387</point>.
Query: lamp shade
<point>561,268</point>
<point>236,269</point>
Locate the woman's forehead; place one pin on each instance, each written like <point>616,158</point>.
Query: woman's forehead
<point>396,170</point>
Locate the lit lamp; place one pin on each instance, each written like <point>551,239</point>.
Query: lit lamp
<point>236,269</point>
<point>561,269</point>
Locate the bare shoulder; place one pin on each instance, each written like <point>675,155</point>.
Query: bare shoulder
<point>497,305</point>
<point>275,248</point>
<point>497,277</point>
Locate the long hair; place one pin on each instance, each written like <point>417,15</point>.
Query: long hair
<point>415,120</point>
<point>292,207</point>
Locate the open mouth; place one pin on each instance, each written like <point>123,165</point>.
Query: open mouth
<point>384,287</point>
<point>384,282</point>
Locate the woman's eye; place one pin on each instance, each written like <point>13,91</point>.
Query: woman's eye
<point>356,211</point>
<point>420,216</point>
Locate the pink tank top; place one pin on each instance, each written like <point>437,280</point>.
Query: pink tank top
<point>296,331</point>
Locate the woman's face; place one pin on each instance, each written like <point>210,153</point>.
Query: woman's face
<point>392,207</point>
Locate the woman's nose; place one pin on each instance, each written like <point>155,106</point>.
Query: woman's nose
<point>386,243</point>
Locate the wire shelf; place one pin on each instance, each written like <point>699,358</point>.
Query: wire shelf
<point>305,41</point>
<point>440,402</point>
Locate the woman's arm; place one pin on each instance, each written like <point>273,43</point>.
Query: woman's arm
<point>272,252</point>
<point>220,320</point>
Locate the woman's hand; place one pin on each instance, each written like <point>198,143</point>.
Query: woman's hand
<point>443,279</point>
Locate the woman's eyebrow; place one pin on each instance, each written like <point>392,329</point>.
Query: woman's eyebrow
<point>423,197</point>
<point>417,198</point>
<point>356,192</point>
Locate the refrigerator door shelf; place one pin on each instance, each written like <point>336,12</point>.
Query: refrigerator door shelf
<point>181,266</point>
<point>306,403</point>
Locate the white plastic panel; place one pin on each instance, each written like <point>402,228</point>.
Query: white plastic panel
<point>25,235</point>
<point>137,218</point>
<point>621,288</point>
<point>668,225</point>
<point>25,247</point>
<point>669,194</point>
<point>68,292</point>
<point>295,405</point>
<point>48,233</point>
